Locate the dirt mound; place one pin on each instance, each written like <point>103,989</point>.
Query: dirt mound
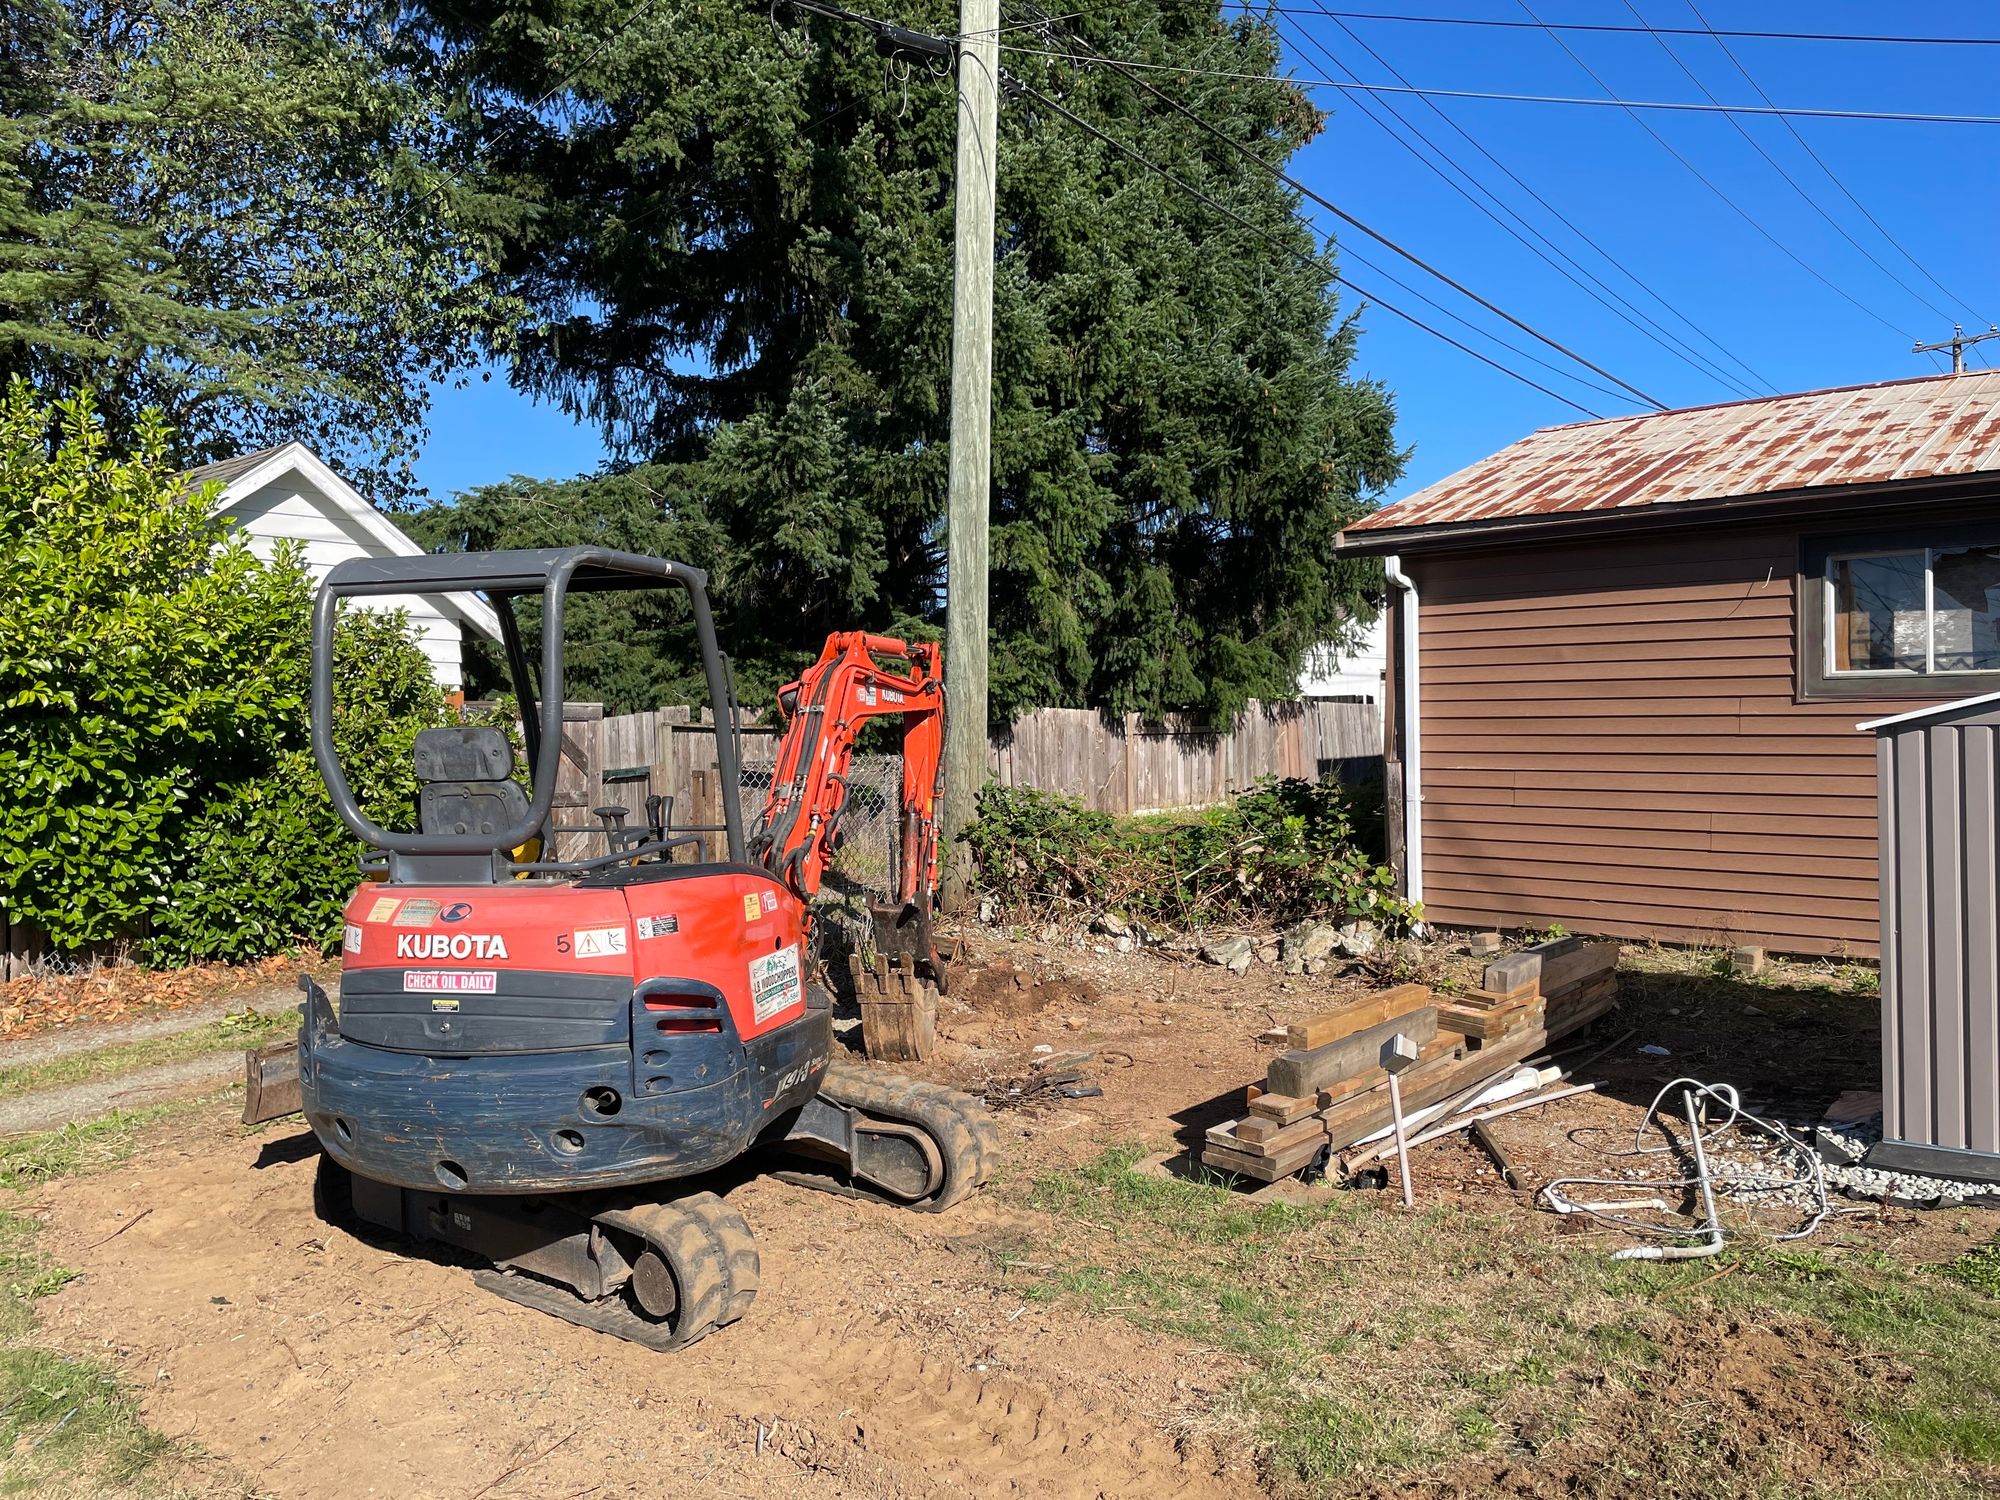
<point>1772,1402</point>
<point>1000,989</point>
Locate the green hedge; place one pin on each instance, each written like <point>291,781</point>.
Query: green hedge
<point>1283,851</point>
<point>153,689</point>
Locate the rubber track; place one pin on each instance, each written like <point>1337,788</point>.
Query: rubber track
<point>706,1244</point>
<point>966,1137</point>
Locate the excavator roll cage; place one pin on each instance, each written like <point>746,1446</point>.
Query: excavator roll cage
<point>799,829</point>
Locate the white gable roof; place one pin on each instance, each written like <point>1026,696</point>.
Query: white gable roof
<point>367,532</point>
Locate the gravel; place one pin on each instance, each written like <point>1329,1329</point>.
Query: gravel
<point>1841,1148</point>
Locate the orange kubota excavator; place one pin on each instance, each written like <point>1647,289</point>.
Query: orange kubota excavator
<point>533,1056</point>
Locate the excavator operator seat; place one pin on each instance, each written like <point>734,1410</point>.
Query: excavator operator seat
<point>465,773</point>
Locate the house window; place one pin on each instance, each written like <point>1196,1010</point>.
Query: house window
<point>1905,616</point>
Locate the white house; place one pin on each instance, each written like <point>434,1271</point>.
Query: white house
<point>1347,671</point>
<point>286,494</point>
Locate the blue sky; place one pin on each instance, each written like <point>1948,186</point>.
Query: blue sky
<point>1836,319</point>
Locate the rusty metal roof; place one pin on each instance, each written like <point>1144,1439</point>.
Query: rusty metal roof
<point>1863,434</point>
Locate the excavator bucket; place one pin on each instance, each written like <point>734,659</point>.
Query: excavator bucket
<point>271,1082</point>
<point>904,931</point>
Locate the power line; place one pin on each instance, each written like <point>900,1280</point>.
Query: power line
<point>1676,105</point>
<point>1571,269</point>
<point>1738,209</point>
<point>1779,167</point>
<point>1806,145</point>
<point>1706,30</point>
<point>1194,192</point>
<point>1643,285</point>
<point>1118,65</point>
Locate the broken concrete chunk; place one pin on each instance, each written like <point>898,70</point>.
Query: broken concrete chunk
<point>1234,954</point>
<point>1359,939</point>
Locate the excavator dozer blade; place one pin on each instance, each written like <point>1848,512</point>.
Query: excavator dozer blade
<point>271,1082</point>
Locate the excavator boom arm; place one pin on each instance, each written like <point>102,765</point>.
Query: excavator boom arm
<point>858,677</point>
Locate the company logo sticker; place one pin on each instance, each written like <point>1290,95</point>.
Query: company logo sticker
<point>420,912</point>
<point>383,909</point>
<point>351,939</point>
<point>600,942</point>
<point>770,900</point>
<point>775,982</point>
<point>652,927</point>
<point>449,981</point>
<point>450,945</point>
<point>458,911</point>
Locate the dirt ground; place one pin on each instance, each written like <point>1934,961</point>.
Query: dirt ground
<point>885,1356</point>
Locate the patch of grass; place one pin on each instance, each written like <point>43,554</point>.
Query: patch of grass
<point>67,1426</point>
<point>1378,1344</point>
<point>85,1146</point>
<point>245,1028</point>
<point>1978,1269</point>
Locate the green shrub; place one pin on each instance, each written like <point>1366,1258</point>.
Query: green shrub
<point>146,658</point>
<point>154,776</point>
<point>1284,850</point>
<point>268,864</point>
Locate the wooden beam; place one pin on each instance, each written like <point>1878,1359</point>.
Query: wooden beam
<point>1345,1020</point>
<point>1303,1073</point>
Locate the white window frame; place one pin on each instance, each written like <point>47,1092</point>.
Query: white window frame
<point>1929,668</point>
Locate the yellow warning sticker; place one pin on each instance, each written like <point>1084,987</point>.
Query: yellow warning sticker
<point>384,908</point>
<point>752,907</point>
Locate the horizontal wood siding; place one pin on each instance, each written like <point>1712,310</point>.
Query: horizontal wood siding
<point>279,513</point>
<point>1611,743</point>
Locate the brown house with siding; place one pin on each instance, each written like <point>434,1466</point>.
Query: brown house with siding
<point>1641,647</point>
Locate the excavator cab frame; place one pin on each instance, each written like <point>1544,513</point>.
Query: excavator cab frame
<point>482,856</point>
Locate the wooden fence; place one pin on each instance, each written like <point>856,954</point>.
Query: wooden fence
<point>1131,766</point>
<point>1121,766</point>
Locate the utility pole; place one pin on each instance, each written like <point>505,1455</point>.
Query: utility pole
<point>971,468</point>
<point>1958,343</point>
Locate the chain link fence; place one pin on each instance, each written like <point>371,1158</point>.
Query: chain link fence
<point>863,866</point>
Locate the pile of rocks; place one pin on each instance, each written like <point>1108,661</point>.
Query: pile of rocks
<point>1308,948</point>
<point>1842,1147</point>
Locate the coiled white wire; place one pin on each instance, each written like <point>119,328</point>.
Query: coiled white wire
<point>1806,1172</point>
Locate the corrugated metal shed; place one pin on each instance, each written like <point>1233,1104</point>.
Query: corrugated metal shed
<point>1939,786</point>
<point>1865,434</point>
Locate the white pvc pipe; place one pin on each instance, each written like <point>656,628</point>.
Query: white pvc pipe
<point>1410,700</point>
<point>1711,1225</point>
<point>1402,1146</point>
<point>1466,1122</point>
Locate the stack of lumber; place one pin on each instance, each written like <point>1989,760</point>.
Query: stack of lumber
<point>1330,1061</point>
<point>898,1009</point>
<point>1328,1090</point>
<point>1557,986</point>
